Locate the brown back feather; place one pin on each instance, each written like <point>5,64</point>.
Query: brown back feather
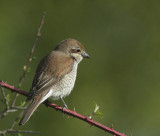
<point>50,70</point>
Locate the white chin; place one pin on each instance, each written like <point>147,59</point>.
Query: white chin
<point>77,57</point>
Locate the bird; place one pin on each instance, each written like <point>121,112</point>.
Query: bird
<point>55,75</point>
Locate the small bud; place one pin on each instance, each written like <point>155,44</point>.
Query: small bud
<point>24,67</point>
<point>39,34</point>
<point>30,59</point>
<point>90,117</point>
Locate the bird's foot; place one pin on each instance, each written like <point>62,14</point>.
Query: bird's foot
<point>65,107</point>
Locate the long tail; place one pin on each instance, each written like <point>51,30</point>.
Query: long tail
<point>30,111</point>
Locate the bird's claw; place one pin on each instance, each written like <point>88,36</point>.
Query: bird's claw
<point>65,107</point>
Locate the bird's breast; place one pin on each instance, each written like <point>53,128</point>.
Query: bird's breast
<point>66,84</point>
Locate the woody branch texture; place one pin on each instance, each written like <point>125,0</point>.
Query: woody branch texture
<point>66,111</point>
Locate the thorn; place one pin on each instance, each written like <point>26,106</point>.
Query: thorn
<point>39,34</point>
<point>30,59</point>
<point>74,109</point>
<point>112,126</point>
<point>24,67</point>
<point>90,117</point>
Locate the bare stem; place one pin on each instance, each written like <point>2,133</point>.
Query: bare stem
<point>4,113</point>
<point>3,133</point>
<point>21,131</point>
<point>15,121</point>
<point>5,99</point>
<point>30,58</point>
<point>14,108</point>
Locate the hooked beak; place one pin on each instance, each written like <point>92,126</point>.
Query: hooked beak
<point>85,55</point>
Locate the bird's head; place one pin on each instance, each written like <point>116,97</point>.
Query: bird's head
<point>73,48</point>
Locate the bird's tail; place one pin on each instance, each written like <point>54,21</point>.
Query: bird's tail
<point>33,106</point>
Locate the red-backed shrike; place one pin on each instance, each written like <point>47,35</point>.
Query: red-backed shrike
<point>56,74</point>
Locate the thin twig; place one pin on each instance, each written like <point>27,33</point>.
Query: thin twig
<point>25,71</point>
<point>5,99</point>
<point>15,121</point>
<point>14,108</point>
<point>30,57</point>
<point>67,111</point>
<point>4,113</point>
<point>3,133</point>
<point>18,107</point>
<point>22,131</point>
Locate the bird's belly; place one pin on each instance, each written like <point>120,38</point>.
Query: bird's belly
<point>64,87</point>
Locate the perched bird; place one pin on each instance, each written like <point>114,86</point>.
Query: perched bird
<point>55,75</point>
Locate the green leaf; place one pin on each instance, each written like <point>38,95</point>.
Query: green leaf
<point>8,98</point>
<point>18,120</point>
<point>19,85</point>
<point>22,103</point>
<point>19,134</point>
<point>28,70</point>
<point>99,113</point>
<point>96,107</point>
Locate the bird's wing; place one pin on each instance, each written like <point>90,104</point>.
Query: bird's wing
<point>50,70</point>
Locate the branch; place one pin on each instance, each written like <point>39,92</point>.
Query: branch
<point>32,50</point>
<point>30,57</point>
<point>5,99</point>
<point>3,133</point>
<point>67,111</point>
<point>11,107</point>
<point>22,131</point>
<point>4,113</point>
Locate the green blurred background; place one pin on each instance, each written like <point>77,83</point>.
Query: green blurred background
<point>122,75</point>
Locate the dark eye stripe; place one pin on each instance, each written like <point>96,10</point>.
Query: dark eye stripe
<point>75,50</point>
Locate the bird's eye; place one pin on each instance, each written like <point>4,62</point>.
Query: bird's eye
<point>78,50</point>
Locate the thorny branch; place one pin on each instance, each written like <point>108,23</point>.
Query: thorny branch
<point>67,111</point>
